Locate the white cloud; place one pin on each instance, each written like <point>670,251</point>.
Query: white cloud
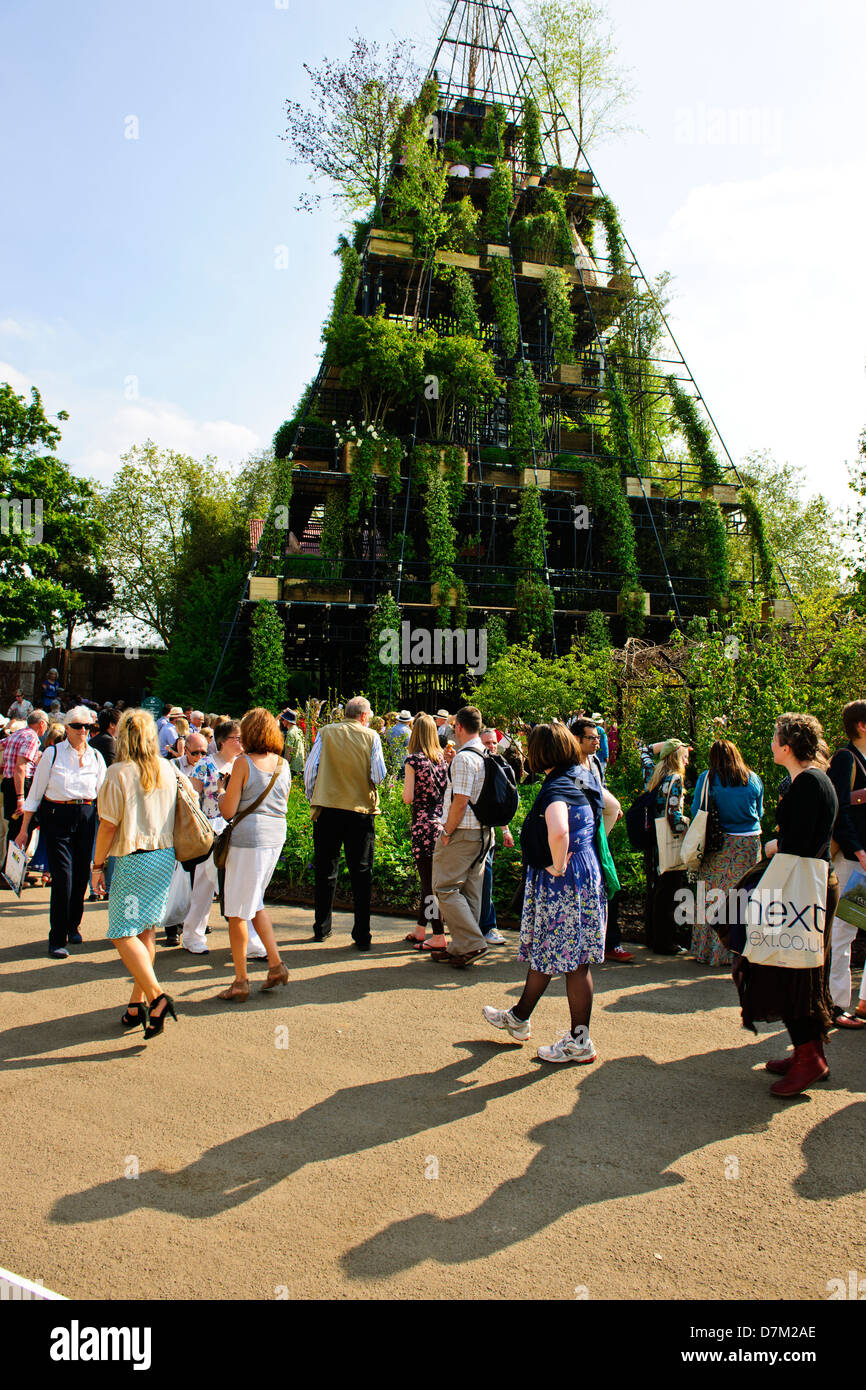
<point>770,312</point>
<point>10,328</point>
<point>17,380</point>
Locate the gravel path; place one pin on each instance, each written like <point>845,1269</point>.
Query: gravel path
<point>363,1133</point>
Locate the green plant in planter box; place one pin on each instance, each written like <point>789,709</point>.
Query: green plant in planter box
<point>525,412</point>
<point>544,235</point>
<point>499,199</point>
<point>418,194</point>
<point>607,213</point>
<point>401,547</point>
<point>372,446</point>
<point>460,227</point>
<point>307,567</point>
<point>531,136</point>
<point>465,375</point>
<point>557,291</point>
<point>494,127</point>
<point>454,152</point>
<point>632,608</point>
<point>464,305</point>
<point>504,304</point>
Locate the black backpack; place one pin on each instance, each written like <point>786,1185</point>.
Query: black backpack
<point>498,799</point>
<point>640,821</point>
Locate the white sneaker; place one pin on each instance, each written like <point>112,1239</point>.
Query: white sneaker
<point>494,937</point>
<point>257,955</point>
<point>519,1028</point>
<point>570,1049</point>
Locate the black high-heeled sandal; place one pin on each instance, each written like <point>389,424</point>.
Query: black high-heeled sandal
<point>127,1021</point>
<point>156,1025</point>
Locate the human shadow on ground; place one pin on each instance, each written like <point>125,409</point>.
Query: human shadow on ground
<point>833,1151</point>
<point>349,1121</point>
<point>612,1145</point>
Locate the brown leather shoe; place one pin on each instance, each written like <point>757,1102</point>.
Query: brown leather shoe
<point>238,992</point>
<point>460,962</point>
<point>277,975</point>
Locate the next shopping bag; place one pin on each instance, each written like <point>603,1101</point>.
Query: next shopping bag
<point>787,914</point>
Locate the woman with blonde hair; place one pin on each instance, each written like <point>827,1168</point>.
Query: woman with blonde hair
<point>426,776</point>
<point>667,782</point>
<point>256,799</point>
<point>136,806</point>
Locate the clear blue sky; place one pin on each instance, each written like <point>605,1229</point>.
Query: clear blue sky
<point>138,286</point>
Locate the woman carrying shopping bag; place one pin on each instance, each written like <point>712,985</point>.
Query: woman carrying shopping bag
<point>738,794</point>
<point>794,991</point>
<point>669,876</point>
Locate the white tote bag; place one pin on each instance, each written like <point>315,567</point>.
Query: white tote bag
<point>670,845</point>
<point>179,897</point>
<point>695,839</point>
<point>787,913</point>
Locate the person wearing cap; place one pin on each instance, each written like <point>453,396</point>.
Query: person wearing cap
<point>64,791</point>
<point>667,782</point>
<point>293,742</point>
<point>443,728</point>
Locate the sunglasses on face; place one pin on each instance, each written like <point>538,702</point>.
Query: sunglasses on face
<point>195,753</point>
<point>78,726</point>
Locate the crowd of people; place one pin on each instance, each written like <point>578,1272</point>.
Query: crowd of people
<point>106,788</point>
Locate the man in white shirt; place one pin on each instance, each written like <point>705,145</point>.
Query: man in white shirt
<point>64,790</point>
<point>461,849</point>
<point>168,732</point>
<point>196,749</point>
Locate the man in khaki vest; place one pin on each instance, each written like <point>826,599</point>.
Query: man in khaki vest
<point>345,766</point>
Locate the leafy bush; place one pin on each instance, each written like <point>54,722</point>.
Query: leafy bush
<point>531,136</point>
<point>697,434</point>
<point>464,305</point>
<point>525,411</point>
<point>268,672</point>
<point>557,291</point>
<point>504,304</point>
<point>495,225</point>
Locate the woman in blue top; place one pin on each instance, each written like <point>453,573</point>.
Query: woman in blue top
<point>565,904</point>
<point>739,797</point>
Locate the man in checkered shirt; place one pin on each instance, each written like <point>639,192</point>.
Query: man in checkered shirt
<point>20,756</point>
<point>461,849</point>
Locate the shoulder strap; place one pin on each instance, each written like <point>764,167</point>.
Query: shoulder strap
<point>855,759</point>
<point>259,799</point>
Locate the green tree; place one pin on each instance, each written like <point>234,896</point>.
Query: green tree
<point>166,516</point>
<point>345,138</point>
<point>269,674</point>
<point>51,535</point>
<point>573,40</point>
<point>186,669</point>
<point>804,533</point>
<point>381,359</point>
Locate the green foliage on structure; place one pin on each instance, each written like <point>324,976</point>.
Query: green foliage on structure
<point>276,528</point>
<point>268,672</point>
<point>622,435</point>
<point>458,372</point>
<point>418,195</point>
<point>531,136</point>
<point>460,227</point>
<point>464,305</point>
<point>607,213</point>
<point>442,544</point>
<point>332,540</point>
<point>497,637</point>
<point>758,532</point>
<point>697,434</point>
<point>525,410</point>
<point>504,303</point>
<point>557,291</point>
<point>346,289</point>
<point>380,359</point>
<point>532,597</point>
<point>716,551</point>
<point>499,198</point>
<point>383,681</point>
<point>494,127</point>
<point>447,461</point>
<point>544,235</point>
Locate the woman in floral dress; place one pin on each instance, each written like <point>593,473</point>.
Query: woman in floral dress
<point>425,779</point>
<point>565,904</point>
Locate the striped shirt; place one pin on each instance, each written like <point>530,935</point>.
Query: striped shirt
<point>465,778</point>
<point>23,744</point>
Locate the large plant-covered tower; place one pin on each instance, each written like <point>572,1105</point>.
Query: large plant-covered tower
<point>502,426</point>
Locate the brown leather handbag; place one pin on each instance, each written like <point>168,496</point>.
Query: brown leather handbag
<point>193,832</point>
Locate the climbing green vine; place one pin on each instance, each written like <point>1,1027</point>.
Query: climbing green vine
<point>504,304</point>
<point>697,434</point>
<point>525,410</point>
<point>425,465</point>
<point>758,533</point>
<point>557,290</point>
<point>442,544</point>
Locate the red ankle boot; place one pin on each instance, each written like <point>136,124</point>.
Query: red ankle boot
<point>807,1066</point>
<point>782,1065</point>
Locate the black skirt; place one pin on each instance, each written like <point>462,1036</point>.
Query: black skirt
<point>772,994</point>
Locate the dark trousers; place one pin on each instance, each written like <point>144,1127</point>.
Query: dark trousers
<point>354,832</point>
<point>613,935</point>
<point>662,930</point>
<point>68,832</point>
<point>427,911</point>
<point>10,806</point>
<point>487,916</point>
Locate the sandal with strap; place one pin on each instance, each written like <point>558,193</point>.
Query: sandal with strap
<point>277,975</point>
<point>238,992</point>
<point>843,1018</point>
<point>128,1021</point>
<point>156,1022</point>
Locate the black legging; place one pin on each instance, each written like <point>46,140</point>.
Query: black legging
<point>428,903</point>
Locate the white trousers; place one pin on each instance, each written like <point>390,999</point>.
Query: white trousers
<point>204,890</point>
<point>841,940</point>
